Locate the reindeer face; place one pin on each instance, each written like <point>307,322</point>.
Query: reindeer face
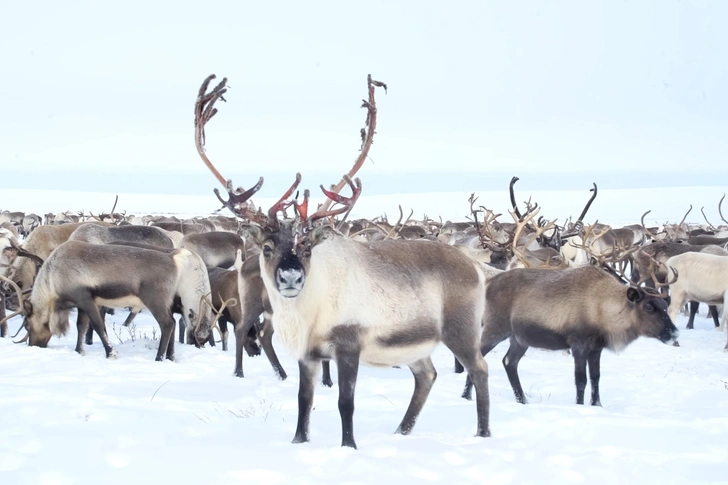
<point>651,312</point>
<point>38,326</point>
<point>285,254</point>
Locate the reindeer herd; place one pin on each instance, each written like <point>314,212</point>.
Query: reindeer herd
<point>362,291</point>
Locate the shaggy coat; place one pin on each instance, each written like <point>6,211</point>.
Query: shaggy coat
<point>382,304</point>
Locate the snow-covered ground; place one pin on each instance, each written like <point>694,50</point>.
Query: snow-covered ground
<point>66,418</point>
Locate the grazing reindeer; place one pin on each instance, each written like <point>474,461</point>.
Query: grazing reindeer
<point>86,276</point>
<point>582,309</point>
<point>383,303</point>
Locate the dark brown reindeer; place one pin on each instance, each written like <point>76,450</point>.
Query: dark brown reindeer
<point>334,298</point>
<point>86,276</point>
<point>583,309</point>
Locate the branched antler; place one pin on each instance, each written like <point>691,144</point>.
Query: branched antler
<point>367,138</point>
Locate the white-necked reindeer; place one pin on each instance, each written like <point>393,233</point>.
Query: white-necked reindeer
<point>382,303</point>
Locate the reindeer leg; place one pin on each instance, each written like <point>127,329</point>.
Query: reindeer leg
<point>580,358</point>
<point>3,326</point>
<point>82,326</point>
<point>347,364</point>
<point>510,362</point>
<point>489,339</point>
<point>308,370</point>
<point>181,329</point>
<point>326,375</point>
<point>251,346</point>
<point>693,310</point>
<point>130,318</point>
<point>223,324</point>
<point>594,374</point>
<point>713,311</point>
<point>459,369</point>
<point>166,322</point>
<point>266,340</point>
<point>240,335</point>
<point>97,323</point>
<point>425,375</point>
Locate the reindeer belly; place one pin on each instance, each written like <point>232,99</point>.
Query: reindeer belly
<point>532,334</point>
<point>707,296</point>
<point>121,302</point>
<point>378,355</point>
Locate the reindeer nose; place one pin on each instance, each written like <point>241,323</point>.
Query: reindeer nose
<point>289,278</point>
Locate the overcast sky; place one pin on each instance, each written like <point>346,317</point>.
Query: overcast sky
<point>523,87</point>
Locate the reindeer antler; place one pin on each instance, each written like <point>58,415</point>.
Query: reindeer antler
<point>346,202</point>
<point>367,138</point>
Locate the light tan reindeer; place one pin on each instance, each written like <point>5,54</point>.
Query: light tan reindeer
<point>334,298</point>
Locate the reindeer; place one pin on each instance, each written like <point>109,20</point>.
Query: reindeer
<point>40,243</point>
<point>243,283</point>
<point>97,234</point>
<point>582,309</point>
<point>703,278</point>
<point>216,248</point>
<point>85,276</point>
<point>660,252</point>
<point>335,298</point>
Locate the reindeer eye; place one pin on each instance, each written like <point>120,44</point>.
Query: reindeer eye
<point>267,251</point>
<point>649,308</point>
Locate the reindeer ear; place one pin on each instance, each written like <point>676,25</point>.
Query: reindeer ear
<point>320,234</point>
<point>27,308</point>
<point>634,295</point>
<point>253,233</point>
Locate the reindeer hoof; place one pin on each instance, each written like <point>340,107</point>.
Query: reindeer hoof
<point>111,354</point>
<point>676,344</point>
<point>239,373</point>
<point>483,433</point>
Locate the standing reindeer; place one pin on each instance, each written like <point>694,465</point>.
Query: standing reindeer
<point>582,309</point>
<point>383,303</point>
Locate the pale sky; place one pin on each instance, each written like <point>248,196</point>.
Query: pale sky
<point>519,88</point>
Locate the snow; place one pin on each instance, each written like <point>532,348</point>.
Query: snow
<point>66,418</point>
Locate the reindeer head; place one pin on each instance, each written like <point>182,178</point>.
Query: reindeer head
<point>286,244</point>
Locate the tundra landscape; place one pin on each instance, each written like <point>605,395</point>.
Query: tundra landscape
<point>305,272</point>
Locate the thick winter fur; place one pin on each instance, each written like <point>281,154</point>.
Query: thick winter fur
<point>582,309</point>
<point>87,276</point>
<point>40,242</point>
<point>701,277</point>
<point>383,304</point>
<point>216,248</point>
<point>98,234</point>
